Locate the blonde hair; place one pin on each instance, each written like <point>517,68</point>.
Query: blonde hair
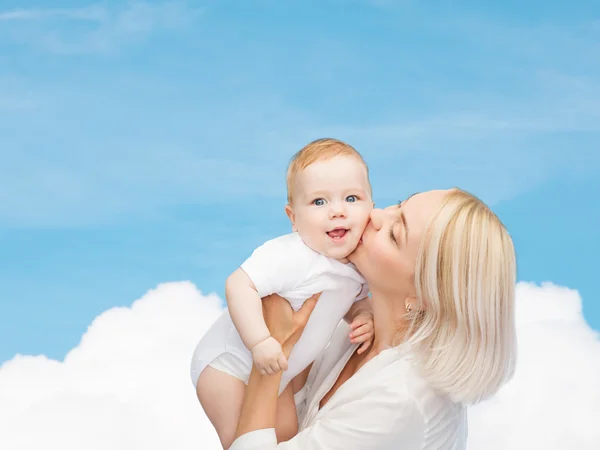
<point>319,150</point>
<point>465,275</point>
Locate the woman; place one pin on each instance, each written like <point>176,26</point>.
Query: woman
<point>441,268</point>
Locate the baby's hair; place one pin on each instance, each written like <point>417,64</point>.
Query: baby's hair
<point>319,150</point>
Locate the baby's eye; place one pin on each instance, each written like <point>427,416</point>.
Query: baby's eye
<point>351,198</point>
<point>319,202</point>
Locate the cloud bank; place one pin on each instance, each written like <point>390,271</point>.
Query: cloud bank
<point>553,402</point>
<point>126,385</point>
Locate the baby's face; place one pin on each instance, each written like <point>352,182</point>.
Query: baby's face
<point>331,205</point>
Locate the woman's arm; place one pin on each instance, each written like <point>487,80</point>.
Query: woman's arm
<point>377,413</point>
<point>382,417</point>
<point>260,403</point>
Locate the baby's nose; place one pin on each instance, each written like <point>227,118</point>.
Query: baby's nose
<point>337,209</point>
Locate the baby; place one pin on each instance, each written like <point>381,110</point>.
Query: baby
<point>329,205</point>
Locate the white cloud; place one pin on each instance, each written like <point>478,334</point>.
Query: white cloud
<point>553,402</point>
<point>126,385</point>
<point>106,30</point>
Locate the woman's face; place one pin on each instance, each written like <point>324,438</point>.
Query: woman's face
<point>388,252</point>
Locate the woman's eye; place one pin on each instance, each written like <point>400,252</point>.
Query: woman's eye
<point>351,198</point>
<point>392,237</point>
<point>319,202</point>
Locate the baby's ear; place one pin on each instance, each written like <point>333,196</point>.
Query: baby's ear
<point>289,211</point>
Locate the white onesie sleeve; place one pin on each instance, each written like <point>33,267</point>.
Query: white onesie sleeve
<point>278,265</point>
<point>364,292</point>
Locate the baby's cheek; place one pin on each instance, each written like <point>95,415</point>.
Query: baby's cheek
<point>365,214</point>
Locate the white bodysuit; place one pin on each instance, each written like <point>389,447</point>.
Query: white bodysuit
<point>288,267</point>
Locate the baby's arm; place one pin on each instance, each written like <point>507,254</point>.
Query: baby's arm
<point>358,307</point>
<point>360,318</point>
<point>245,309</point>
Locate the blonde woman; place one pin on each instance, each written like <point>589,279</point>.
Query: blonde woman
<point>441,268</point>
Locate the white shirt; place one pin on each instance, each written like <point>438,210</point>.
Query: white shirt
<point>288,267</point>
<point>386,405</point>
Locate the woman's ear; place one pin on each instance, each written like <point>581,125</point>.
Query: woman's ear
<point>412,304</point>
<point>289,211</point>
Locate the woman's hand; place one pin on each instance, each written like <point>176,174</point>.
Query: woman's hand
<point>285,325</point>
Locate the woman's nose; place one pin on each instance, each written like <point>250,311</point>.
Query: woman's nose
<point>377,216</point>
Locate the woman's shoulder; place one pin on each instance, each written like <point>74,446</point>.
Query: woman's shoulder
<point>444,419</point>
<point>391,391</point>
<point>393,376</point>
<point>391,388</point>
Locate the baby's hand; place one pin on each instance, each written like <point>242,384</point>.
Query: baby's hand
<point>362,330</point>
<point>268,357</point>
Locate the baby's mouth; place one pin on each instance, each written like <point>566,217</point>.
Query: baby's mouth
<point>337,233</point>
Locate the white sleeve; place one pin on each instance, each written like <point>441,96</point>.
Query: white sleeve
<point>256,440</point>
<point>381,420</point>
<point>301,403</point>
<point>364,292</point>
<point>277,266</point>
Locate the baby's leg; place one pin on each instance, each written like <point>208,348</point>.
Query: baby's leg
<point>221,396</point>
<point>286,424</point>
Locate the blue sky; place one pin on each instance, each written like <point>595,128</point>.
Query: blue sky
<point>144,142</point>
